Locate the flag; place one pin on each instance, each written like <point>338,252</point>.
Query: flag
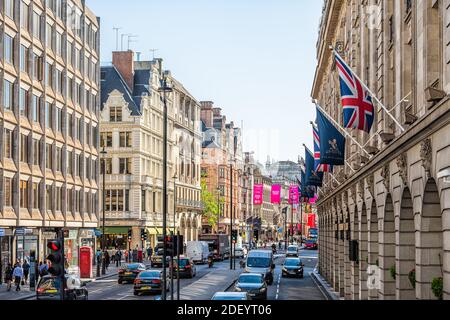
<point>307,192</point>
<point>332,142</point>
<point>313,178</point>
<point>275,195</point>
<point>319,167</point>
<point>356,100</point>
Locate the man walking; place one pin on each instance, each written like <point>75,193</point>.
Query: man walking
<point>26,270</point>
<point>18,275</point>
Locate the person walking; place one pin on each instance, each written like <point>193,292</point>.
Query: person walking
<point>26,271</point>
<point>107,259</point>
<point>149,253</point>
<point>18,275</point>
<point>9,276</point>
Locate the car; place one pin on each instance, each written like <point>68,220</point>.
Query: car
<point>292,267</point>
<point>239,253</point>
<point>48,288</point>
<point>150,281</point>
<point>311,244</point>
<point>130,272</point>
<point>252,283</point>
<point>262,262</point>
<point>187,268</point>
<point>292,251</point>
<point>231,296</point>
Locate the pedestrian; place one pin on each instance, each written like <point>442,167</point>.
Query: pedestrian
<point>18,275</point>
<point>117,258</point>
<point>149,253</point>
<point>107,259</point>
<point>8,276</point>
<point>43,269</point>
<point>126,256</point>
<point>26,271</point>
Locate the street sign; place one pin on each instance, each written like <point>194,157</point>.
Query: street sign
<point>2,232</point>
<point>20,232</point>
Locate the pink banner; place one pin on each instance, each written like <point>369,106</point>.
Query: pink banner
<point>275,195</point>
<point>293,195</point>
<point>313,200</point>
<point>258,194</point>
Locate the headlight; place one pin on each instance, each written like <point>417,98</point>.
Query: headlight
<point>263,289</point>
<point>284,269</point>
<point>238,289</point>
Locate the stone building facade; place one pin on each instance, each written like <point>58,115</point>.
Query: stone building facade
<point>394,200</point>
<point>49,75</point>
<point>132,134</point>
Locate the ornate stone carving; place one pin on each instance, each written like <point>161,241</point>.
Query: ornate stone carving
<point>402,164</point>
<point>385,174</point>
<point>371,185</point>
<point>352,193</point>
<point>361,189</point>
<point>426,150</point>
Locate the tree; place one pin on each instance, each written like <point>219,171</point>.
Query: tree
<point>210,204</point>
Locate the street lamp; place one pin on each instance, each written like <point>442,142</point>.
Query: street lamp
<point>173,233</point>
<point>218,207</point>
<point>103,153</point>
<point>164,89</point>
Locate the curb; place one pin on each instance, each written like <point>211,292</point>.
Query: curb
<point>324,287</point>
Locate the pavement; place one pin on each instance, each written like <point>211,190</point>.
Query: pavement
<point>324,286</point>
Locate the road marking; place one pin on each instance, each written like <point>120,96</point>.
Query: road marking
<point>278,287</point>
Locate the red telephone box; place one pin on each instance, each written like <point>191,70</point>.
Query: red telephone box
<point>86,263</point>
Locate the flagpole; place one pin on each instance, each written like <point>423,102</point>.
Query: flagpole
<point>340,127</point>
<point>368,89</point>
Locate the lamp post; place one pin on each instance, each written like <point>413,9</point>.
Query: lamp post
<point>164,89</point>
<point>173,233</point>
<point>218,207</point>
<point>103,153</point>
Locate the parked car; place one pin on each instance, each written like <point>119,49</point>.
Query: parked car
<point>49,286</point>
<point>150,281</point>
<point>311,244</point>
<point>130,272</point>
<point>239,253</point>
<point>262,262</point>
<point>229,296</point>
<point>198,251</point>
<point>187,268</point>
<point>292,267</point>
<point>252,283</point>
<point>292,251</point>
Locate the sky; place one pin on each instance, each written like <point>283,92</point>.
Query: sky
<point>255,59</point>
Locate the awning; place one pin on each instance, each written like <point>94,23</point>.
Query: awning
<point>115,230</point>
<point>157,231</point>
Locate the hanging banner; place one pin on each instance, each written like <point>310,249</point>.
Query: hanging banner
<point>293,195</point>
<point>275,195</point>
<point>312,220</point>
<point>258,194</point>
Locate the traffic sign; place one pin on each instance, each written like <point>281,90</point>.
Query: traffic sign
<point>2,232</point>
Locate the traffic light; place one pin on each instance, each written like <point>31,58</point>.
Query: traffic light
<point>56,258</point>
<point>169,246</point>
<point>178,245</point>
<point>234,236</point>
<point>256,235</point>
<point>129,235</point>
<point>143,235</point>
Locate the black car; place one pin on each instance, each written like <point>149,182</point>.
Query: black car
<point>150,281</point>
<point>293,267</point>
<point>130,272</point>
<point>254,284</point>
<point>49,286</point>
<point>187,268</point>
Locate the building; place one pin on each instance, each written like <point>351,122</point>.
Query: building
<point>49,74</point>
<point>393,201</point>
<point>222,165</point>
<point>132,135</point>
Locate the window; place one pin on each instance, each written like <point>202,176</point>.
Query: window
<point>115,114</point>
<point>77,59</point>
<point>70,125</point>
<point>9,8</point>
<point>8,48</point>
<point>108,166</point>
<point>36,25</point>
<point>106,139</point>
<point>59,81</point>
<point>70,88</point>
<point>48,115</point>
<point>69,53</point>
<point>36,152</point>
<point>24,16</point>
<point>48,156</point>
<point>36,108</point>
<point>37,67</point>
<point>23,194</point>
<point>79,128</point>
<point>119,200</point>
<point>23,58</point>
<point>8,95</point>
<point>23,102</point>
<point>48,75</point>
<point>58,120</point>
<point>58,44</point>
<point>8,144</point>
<point>48,197</point>
<point>70,200</point>
<point>125,166</point>
<point>127,200</point>
<point>125,139</point>
<point>58,154</point>
<point>49,36</point>
<point>58,197</point>
<point>80,166</point>
<point>69,160</point>
<point>35,196</point>
<point>24,148</point>
<point>8,192</point>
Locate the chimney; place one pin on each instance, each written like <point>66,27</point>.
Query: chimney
<point>206,113</point>
<point>124,63</point>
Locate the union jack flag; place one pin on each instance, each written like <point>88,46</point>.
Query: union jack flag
<point>317,165</point>
<point>356,100</point>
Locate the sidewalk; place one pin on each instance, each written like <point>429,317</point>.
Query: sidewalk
<point>326,289</point>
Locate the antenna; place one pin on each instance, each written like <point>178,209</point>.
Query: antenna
<point>116,29</point>
<point>153,52</point>
<point>129,40</point>
<point>121,39</point>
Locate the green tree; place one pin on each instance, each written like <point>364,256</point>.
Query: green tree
<point>210,204</point>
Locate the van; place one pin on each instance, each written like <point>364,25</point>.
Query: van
<point>262,262</point>
<point>198,251</point>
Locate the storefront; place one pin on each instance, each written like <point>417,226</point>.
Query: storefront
<point>115,237</point>
<point>6,238</point>
<point>27,243</point>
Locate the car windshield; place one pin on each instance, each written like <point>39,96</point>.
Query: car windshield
<point>133,266</point>
<point>258,262</point>
<point>292,263</point>
<point>250,279</point>
<point>292,249</point>
<point>310,242</point>
<point>229,298</point>
<point>150,274</point>
<point>184,262</point>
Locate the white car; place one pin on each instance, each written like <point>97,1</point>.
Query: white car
<point>238,253</point>
<point>292,251</point>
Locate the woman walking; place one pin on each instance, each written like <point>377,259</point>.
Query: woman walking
<point>8,276</point>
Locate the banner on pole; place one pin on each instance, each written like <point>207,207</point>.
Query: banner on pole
<point>275,195</point>
<point>258,194</point>
<point>293,195</point>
